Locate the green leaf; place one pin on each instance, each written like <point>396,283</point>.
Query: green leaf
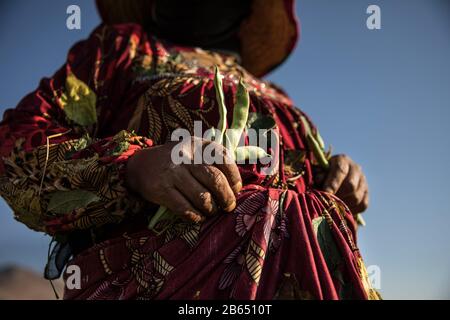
<point>64,202</point>
<point>79,102</point>
<point>332,255</point>
<point>327,243</point>
<point>82,143</point>
<point>258,121</point>
<point>121,148</point>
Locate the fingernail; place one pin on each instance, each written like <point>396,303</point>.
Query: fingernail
<point>194,217</point>
<point>328,190</point>
<point>231,207</point>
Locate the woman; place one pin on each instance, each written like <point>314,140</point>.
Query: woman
<point>87,159</point>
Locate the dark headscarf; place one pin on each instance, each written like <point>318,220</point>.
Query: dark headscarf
<point>264,40</point>
<point>205,23</point>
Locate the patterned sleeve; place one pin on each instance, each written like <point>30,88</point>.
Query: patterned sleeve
<point>59,171</point>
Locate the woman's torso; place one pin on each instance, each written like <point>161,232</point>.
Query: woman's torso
<point>172,87</point>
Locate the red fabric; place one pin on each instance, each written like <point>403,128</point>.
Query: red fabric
<point>279,243</point>
<point>217,267</point>
<point>103,63</point>
<point>39,115</point>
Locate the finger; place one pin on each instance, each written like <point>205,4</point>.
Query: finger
<point>338,171</point>
<point>195,192</point>
<point>358,193</point>
<point>180,206</point>
<point>363,204</point>
<point>233,176</point>
<point>216,182</point>
<point>225,163</point>
<point>351,183</point>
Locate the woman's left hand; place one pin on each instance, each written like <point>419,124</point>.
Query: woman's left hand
<point>347,181</point>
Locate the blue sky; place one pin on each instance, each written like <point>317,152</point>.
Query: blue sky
<point>382,97</point>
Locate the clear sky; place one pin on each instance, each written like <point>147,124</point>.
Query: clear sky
<point>382,97</point>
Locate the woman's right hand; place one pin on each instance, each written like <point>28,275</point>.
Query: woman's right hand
<point>192,191</point>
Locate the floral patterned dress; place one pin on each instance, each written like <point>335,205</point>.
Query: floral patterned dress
<point>65,146</point>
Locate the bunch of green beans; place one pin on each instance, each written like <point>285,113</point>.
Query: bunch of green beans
<point>317,146</point>
<point>228,137</point>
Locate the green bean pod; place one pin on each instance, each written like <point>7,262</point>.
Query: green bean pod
<point>211,134</point>
<point>360,220</point>
<point>306,125</point>
<point>241,107</point>
<point>318,152</point>
<point>319,140</point>
<point>317,145</point>
<point>221,104</point>
<point>161,214</point>
<point>251,153</point>
<point>240,117</point>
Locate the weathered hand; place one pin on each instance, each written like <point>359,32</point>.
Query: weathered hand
<point>347,181</point>
<point>192,191</point>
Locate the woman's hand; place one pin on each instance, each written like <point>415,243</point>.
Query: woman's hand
<point>347,181</point>
<point>192,191</point>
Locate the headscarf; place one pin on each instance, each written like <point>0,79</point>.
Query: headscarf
<point>203,23</point>
<point>265,37</point>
